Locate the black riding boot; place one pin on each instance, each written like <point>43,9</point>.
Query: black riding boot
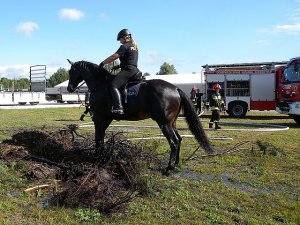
<point>117,108</point>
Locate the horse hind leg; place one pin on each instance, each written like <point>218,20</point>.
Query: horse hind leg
<point>179,144</point>
<point>174,143</point>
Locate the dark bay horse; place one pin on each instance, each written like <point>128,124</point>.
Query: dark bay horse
<point>155,99</point>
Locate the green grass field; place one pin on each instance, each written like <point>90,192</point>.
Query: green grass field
<point>259,183</point>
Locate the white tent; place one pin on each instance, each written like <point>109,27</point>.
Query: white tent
<point>184,81</point>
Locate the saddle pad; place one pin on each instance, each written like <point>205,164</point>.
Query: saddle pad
<point>132,90</point>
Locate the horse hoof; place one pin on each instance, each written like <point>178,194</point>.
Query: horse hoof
<point>166,172</point>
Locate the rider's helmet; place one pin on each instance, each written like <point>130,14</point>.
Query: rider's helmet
<point>217,86</point>
<point>122,33</point>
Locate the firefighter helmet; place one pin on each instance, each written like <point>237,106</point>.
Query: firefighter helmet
<point>122,33</point>
<point>217,86</point>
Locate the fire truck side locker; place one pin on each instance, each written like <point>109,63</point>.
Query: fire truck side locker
<point>263,91</point>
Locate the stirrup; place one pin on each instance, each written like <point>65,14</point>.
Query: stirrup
<point>117,111</point>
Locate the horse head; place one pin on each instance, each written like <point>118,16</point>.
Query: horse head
<point>74,77</point>
<point>81,71</point>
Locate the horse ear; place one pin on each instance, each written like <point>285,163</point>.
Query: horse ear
<point>70,61</point>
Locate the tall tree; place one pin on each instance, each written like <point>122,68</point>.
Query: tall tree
<point>21,84</point>
<point>167,68</point>
<point>58,77</point>
<point>6,83</point>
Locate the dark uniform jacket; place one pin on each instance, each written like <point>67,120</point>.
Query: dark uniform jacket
<point>215,101</point>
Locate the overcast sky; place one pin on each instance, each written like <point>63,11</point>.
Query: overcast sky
<point>185,33</point>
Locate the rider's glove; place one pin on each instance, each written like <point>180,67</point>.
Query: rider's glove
<point>115,67</point>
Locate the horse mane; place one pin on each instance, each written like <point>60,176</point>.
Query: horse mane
<point>100,74</point>
<point>87,66</point>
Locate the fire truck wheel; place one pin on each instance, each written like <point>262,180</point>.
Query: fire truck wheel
<point>297,119</point>
<point>237,109</point>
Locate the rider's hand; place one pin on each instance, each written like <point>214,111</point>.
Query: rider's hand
<point>115,67</point>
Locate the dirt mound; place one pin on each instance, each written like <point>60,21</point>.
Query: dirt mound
<point>102,180</point>
<point>52,145</point>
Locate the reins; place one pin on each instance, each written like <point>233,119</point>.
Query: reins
<point>79,86</point>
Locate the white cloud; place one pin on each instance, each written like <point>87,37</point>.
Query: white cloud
<point>22,71</point>
<point>16,71</point>
<point>153,57</point>
<point>71,14</point>
<point>26,28</point>
<point>287,28</point>
<point>294,13</point>
<point>293,29</point>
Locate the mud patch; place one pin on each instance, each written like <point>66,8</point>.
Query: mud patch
<point>226,179</point>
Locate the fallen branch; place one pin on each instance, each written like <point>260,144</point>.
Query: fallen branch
<point>231,150</point>
<point>50,163</point>
<point>38,187</point>
<point>73,128</point>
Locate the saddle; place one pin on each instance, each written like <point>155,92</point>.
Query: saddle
<point>138,77</point>
<point>131,88</point>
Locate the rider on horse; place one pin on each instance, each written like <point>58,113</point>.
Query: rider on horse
<point>128,56</point>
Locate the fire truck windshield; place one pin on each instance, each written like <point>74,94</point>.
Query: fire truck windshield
<point>291,73</point>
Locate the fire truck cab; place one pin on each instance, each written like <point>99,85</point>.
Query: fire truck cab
<point>288,99</point>
<point>245,86</point>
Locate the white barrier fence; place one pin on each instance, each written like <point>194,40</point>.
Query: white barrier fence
<point>7,98</point>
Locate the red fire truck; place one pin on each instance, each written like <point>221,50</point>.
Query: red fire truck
<point>257,86</point>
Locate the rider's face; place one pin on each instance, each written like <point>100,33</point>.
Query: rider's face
<point>122,40</point>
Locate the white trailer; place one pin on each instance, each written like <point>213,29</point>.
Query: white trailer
<point>22,98</point>
<point>60,93</point>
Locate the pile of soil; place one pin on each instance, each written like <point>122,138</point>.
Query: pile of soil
<point>102,180</point>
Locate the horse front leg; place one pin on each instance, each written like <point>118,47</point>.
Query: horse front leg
<point>99,137</point>
<point>100,128</point>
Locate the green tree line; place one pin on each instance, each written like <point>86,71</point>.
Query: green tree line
<point>62,75</point>
<point>10,84</point>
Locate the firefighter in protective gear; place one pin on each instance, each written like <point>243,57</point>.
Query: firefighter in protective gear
<point>193,94</point>
<point>215,104</point>
<point>87,106</point>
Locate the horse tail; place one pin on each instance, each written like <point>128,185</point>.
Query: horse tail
<point>193,122</point>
